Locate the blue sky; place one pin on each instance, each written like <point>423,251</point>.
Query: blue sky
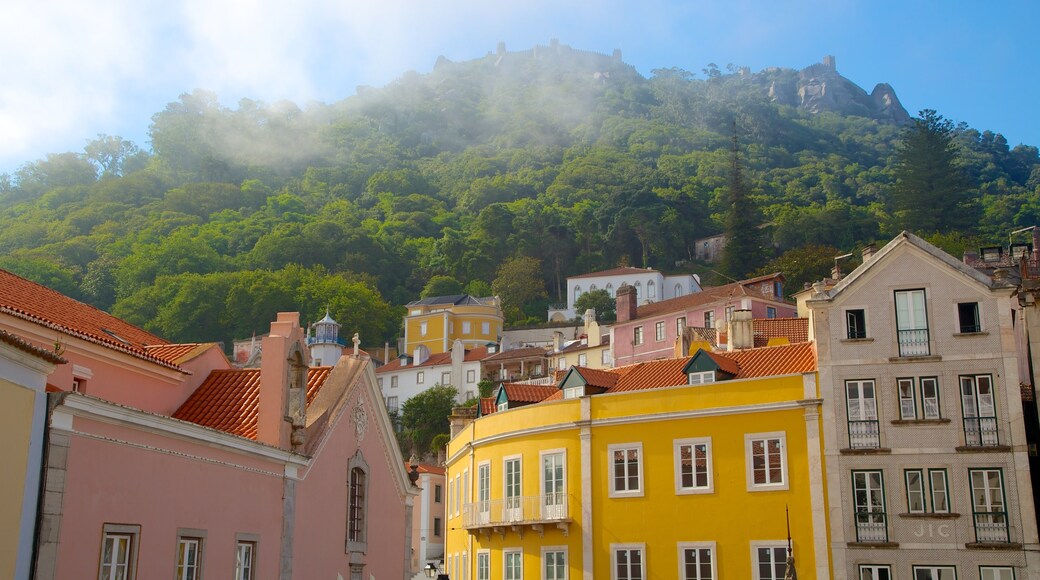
<point>74,69</point>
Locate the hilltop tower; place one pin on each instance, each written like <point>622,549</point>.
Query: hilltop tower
<point>325,344</point>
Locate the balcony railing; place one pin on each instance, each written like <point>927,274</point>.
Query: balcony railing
<point>510,511</point>
<point>991,527</point>
<point>864,434</point>
<point>913,342</point>
<point>980,432</point>
<point>871,527</point>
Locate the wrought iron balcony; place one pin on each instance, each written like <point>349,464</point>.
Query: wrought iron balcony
<point>871,527</point>
<point>534,510</point>
<point>864,434</point>
<point>981,432</point>
<point>913,342</point>
<point>991,527</point>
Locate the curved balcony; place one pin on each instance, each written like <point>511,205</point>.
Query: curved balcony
<point>518,513</point>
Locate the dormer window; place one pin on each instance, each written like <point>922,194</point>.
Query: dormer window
<point>701,378</point>
<point>503,406</point>
<point>574,392</point>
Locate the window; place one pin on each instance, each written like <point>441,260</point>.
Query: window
<point>514,502</point>
<point>391,404</point>
<point>446,378</point>
<point>864,429</point>
<point>935,573</point>
<point>907,400</point>
<point>697,561</point>
<point>465,488</point>
<point>451,497</point>
<point>471,376</point>
<point>610,290</point>
<point>651,290</point>
<point>604,357</point>
<point>485,328</point>
<point>922,491</point>
<point>554,563</point>
<point>577,293</point>
<point>628,560</point>
<point>875,572</point>
<point>769,560</point>
<point>465,327</point>
<point>573,392</point>
<point>458,494</point>
<point>729,313</point>
<point>856,323</point>
<point>437,527</point>
<point>119,552</point>
<point>562,363</point>
<point>701,378</point>
<point>996,573</point>
<point>582,360</point>
<point>464,566</point>
<point>930,397</point>
<point>709,319</point>
<point>912,323</point>
<point>245,560</point>
<point>626,475</point>
<point>778,288</point>
<point>868,491</point>
<point>987,505</point>
<point>356,507</point>
<point>393,382</point>
<point>379,382</point>
<point>554,485</point>
<point>766,462</point>
<point>678,291</point>
<point>979,407</point>
<point>968,317</point>
<point>420,377</point>
<point>770,312</point>
<point>513,562</point>
<point>422,328</point>
<point>680,325</point>
<point>437,493</point>
<point>483,493</point>
<point>637,335</point>
<point>484,565</point>
<point>189,556</point>
<point>693,465</point>
<point>639,290</point>
<point>659,331</point>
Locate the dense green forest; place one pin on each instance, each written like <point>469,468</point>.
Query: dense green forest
<point>484,172</point>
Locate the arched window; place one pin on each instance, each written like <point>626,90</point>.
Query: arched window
<point>639,289</point>
<point>592,288</point>
<point>610,290</point>
<point>577,292</point>
<point>678,290</point>
<point>357,504</point>
<point>651,290</point>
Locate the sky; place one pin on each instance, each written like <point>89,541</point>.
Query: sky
<point>71,70</point>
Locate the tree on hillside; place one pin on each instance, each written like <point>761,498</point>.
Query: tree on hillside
<point>806,264</point>
<point>931,193</point>
<point>425,416</point>
<point>518,281</point>
<point>743,252</point>
<point>601,301</point>
<point>441,286</point>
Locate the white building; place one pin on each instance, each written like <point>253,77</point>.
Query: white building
<point>408,376</point>
<point>651,286</point>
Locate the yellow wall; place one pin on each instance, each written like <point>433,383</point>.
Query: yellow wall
<point>436,331</point>
<point>731,516</point>
<point>16,415</point>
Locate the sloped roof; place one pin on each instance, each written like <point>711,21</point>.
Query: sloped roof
<point>454,300</point>
<point>30,301</point>
<point>726,364</point>
<point>793,329</point>
<point>229,400</point>
<point>179,353</point>
<point>441,358</point>
<point>517,354</point>
<point>524,393</point>
<point>707,295</point>
<point>427,468</point>
<point>22,345</point>
<point>603,379</point>
<point>487,406</point>
<point>622,271</point>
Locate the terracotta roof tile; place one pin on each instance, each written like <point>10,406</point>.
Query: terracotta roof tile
<point>603,379</point>
<point>487,406</point>
<point>31,301</point>
<point>441,358</point>
<point>706,296</point>
<point>229,400</point>
<point>178,353</point>
<point>726,364</point>
<point>22,345</point>
<point>524,393</point>
<point>518,353</point>
<point>793,329</point>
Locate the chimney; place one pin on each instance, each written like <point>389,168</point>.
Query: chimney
<point>626,303</point>
<point>971,257</point>
<point>868,252</point>
<point>557,340</point>
<point>283,384</point>
<point>836,272</point>
<point>740,331</point>
<point>460,417</point>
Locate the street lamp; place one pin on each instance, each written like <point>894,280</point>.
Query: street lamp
<point>430,570</point>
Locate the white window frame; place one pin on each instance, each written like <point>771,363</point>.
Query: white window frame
<point>749,440</point>
<point>772,545</point>
<point>931,570</point>
<point>423,327</point>
<point>246,570</point>
<point>458,494</point>
<point>466,328</point>
<point>583,360</point>
<point>445,378</point>
<point>996,573</point>
<point>393,382</point>
<point>680,325</point>
<point>640,466</point>
<point>925,414</point>
<point>659,333</point>
<point>677,446</point>
<point>506,553</point>
<point>483,565</point>
<point>628,547</point>
<point>484,491</point>
<point>186,539</point>
<point>566,561</point>
<point>420,377</point>
<point>637,336</point>
<point>710,546</point>
<point>132,535</point>
<point>513,505</point>
<point>574,392</point>
<point>847,330</point>
<point>700,378</point>
<point>709,319</point>
<point>907,404</point>
<point>604,357</point>
<point>451,497</point>
<point>471,376</point>
<point>875,568</point>
<point>557,509</point>
<point>485,328</point>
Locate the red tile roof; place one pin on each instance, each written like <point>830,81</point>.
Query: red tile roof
<point>706,296</point>
<point>726,364</point>
<point>22,345</point>
<point>622,271</point>
<point>229,400</point>
<point>603,379</point>
<point>518,353</point>
<point>41,305</point>
<point>441,358</point>
<point>179,353</point>
<point>524,393</point>
<point>487,406</point>
<point>793,329</point>
<point>428,468</point>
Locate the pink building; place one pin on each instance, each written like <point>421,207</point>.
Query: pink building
<point>649,332</point>
<point>162,460</point>
<point>428,517</point>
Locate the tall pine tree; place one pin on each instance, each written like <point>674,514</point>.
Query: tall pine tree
<point>931,192</point>
<point>743,252</point>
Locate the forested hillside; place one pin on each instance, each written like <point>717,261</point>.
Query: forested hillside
<point>536,165</point>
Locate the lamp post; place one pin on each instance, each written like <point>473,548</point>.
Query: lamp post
<point>430,570</point>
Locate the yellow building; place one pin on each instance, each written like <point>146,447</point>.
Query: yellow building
<point>677,468</point>
<point>434,323</point>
